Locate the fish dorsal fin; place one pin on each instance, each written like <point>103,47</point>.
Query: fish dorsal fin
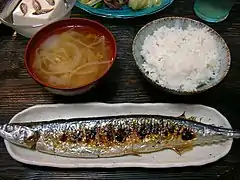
<point>183,115</point>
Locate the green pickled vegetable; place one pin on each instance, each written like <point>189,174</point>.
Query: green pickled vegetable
<point>90,2</point>
<point>156,2</point>
<point>142,4</point>
<point>98,5</point>
<point>84,1</point>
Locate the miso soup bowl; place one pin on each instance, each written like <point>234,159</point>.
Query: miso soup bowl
<point>46,32</point>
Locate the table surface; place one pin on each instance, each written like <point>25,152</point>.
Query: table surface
<point>124,83</point>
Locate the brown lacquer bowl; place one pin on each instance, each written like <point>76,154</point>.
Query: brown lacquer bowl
<point>46,32</point>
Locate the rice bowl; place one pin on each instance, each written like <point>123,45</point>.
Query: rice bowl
<point>181,55</point>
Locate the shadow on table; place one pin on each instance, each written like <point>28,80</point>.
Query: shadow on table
<point>100,93</point>
<point>5,30</point>
<point>104,90</point>
<point>158,94</point>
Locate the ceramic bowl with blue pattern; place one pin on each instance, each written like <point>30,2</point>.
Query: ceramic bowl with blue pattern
<point>180,22</point>
<point>123,13</point>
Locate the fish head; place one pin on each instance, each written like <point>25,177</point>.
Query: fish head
<point>20,135</point>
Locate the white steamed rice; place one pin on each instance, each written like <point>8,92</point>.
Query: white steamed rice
<point>181,59</point>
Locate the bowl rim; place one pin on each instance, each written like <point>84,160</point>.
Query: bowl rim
<point>175,91</point>
<point>61,16</point>
<point>34,77</point>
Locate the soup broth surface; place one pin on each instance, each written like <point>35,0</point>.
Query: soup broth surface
<point>72,57</point>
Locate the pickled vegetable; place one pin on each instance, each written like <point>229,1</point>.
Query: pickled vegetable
<point>142,4</point>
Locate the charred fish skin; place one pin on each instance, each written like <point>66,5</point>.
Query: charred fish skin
<point>118,136</point>
<point>51,2</point>
<point>115,136</point>
<point>36,5</point>
<point>24,8</point>
<point>42,11</point>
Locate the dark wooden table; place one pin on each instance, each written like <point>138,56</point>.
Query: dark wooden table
<point>123,84</point>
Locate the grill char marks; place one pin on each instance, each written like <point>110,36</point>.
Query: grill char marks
<point>122,132</point>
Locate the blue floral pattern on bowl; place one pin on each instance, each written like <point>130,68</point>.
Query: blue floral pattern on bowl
<point>123,13</point>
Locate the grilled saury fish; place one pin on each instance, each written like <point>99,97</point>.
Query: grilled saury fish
<point>114,136</point>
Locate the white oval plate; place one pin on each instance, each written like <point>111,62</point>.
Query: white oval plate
<point>163,159</point>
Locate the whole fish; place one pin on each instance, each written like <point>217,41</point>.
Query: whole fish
<point>42,11</point>
<point>115,136</point>
<point>36,5</point>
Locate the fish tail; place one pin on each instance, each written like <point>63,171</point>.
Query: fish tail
<point>234,134</point>
<point>230,133</point>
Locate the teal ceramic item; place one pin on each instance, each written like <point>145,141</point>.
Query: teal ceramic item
<point>123,13</point>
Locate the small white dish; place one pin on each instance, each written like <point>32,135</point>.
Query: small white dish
<point>163,159</point>
<point>29,30</point>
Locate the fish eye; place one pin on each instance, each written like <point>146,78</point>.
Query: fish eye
<point>15,135</point>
